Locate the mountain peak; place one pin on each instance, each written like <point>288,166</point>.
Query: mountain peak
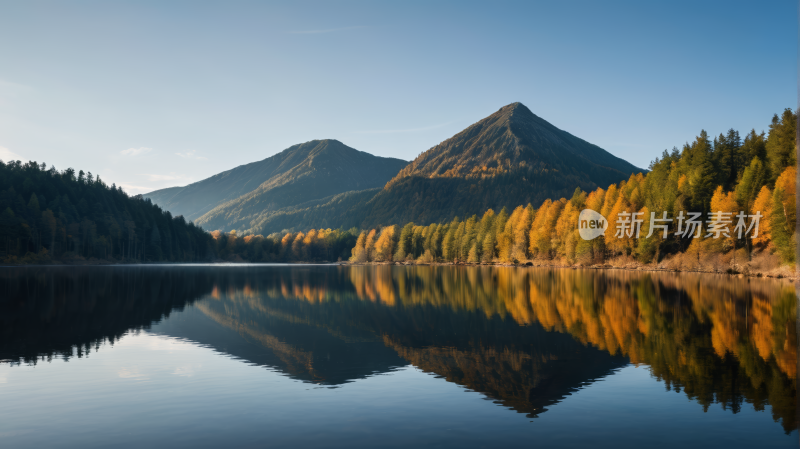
<point>513,139</point>
<point>516,110</point>
<point>509,158</point>
<point>302,172</point>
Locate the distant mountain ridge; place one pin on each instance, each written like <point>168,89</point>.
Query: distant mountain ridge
<point>301,173</point>
<point>509,158</point>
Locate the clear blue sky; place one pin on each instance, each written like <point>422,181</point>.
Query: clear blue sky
<point>155,94</point>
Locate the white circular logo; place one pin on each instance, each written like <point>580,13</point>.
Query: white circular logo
<point>591,224</point>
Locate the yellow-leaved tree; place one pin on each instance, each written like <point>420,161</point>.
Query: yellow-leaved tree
<point>616,236</point>
<point>537,228</point>
<point>369,245</point>
<point>723,202</point>
<point>505,238</point>
<point>384,247</point>
<point>763,206</point>
<point>522,228</point>
<point>788,184</point>
<point>359,254</point>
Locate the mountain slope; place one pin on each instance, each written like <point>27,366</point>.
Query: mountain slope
<point>509,158</point>
<point>310,171</point>
<point>301,173</point>
<point>344,210</point>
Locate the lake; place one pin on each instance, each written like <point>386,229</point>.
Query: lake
<point>394,356</point>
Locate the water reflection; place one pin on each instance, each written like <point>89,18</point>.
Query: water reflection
<point>525,337</point>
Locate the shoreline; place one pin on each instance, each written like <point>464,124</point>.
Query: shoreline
<point>144,264</point>
<point>782,272</point>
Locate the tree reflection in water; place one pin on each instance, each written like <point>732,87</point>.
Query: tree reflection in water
<point>523,336</point>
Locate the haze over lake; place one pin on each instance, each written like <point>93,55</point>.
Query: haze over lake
<point>362,356</point>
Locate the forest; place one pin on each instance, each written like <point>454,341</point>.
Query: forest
<point>51,216</point>
<point>316,245</point>
<point>725,173</point>
<point>48,215</point>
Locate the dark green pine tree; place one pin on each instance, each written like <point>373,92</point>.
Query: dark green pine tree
<point>755,145</point>
<point>703,175</point>
<point>781,143</point>
<point>721,157</point>
<point>739,160</point>
<point>753,178</point>
<point>728,158</point>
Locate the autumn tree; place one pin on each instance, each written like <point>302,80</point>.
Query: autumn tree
<point>369,245</point>
<point>384,247</point>
<point>763,206</point>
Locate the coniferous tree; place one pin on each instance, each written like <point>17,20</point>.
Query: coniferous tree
<point>405,242</point>
<point>753,178</point>
<point>781,143</point>
<point>755,145</point>
<point>702,175</point>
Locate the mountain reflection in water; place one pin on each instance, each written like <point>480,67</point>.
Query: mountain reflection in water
<point>524,337</point>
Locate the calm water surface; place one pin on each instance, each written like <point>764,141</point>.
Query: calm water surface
<point>328,356</point>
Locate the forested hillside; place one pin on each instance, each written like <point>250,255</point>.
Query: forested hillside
<point>726,173</point>
<point>51,216</point>
<point>345,210</point>
<point>248,198</point>
<point>48,215</point>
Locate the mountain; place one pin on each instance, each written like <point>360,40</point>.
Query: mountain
<point>509,158</point>
<point>305,172</point>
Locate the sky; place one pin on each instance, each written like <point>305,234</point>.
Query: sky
<point>157,94</point>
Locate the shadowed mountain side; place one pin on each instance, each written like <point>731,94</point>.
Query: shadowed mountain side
<point>303,172</point>
<point>425,201</point>
<point>510,158</point>
<point>328,169</point>
<point>345,210</point>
